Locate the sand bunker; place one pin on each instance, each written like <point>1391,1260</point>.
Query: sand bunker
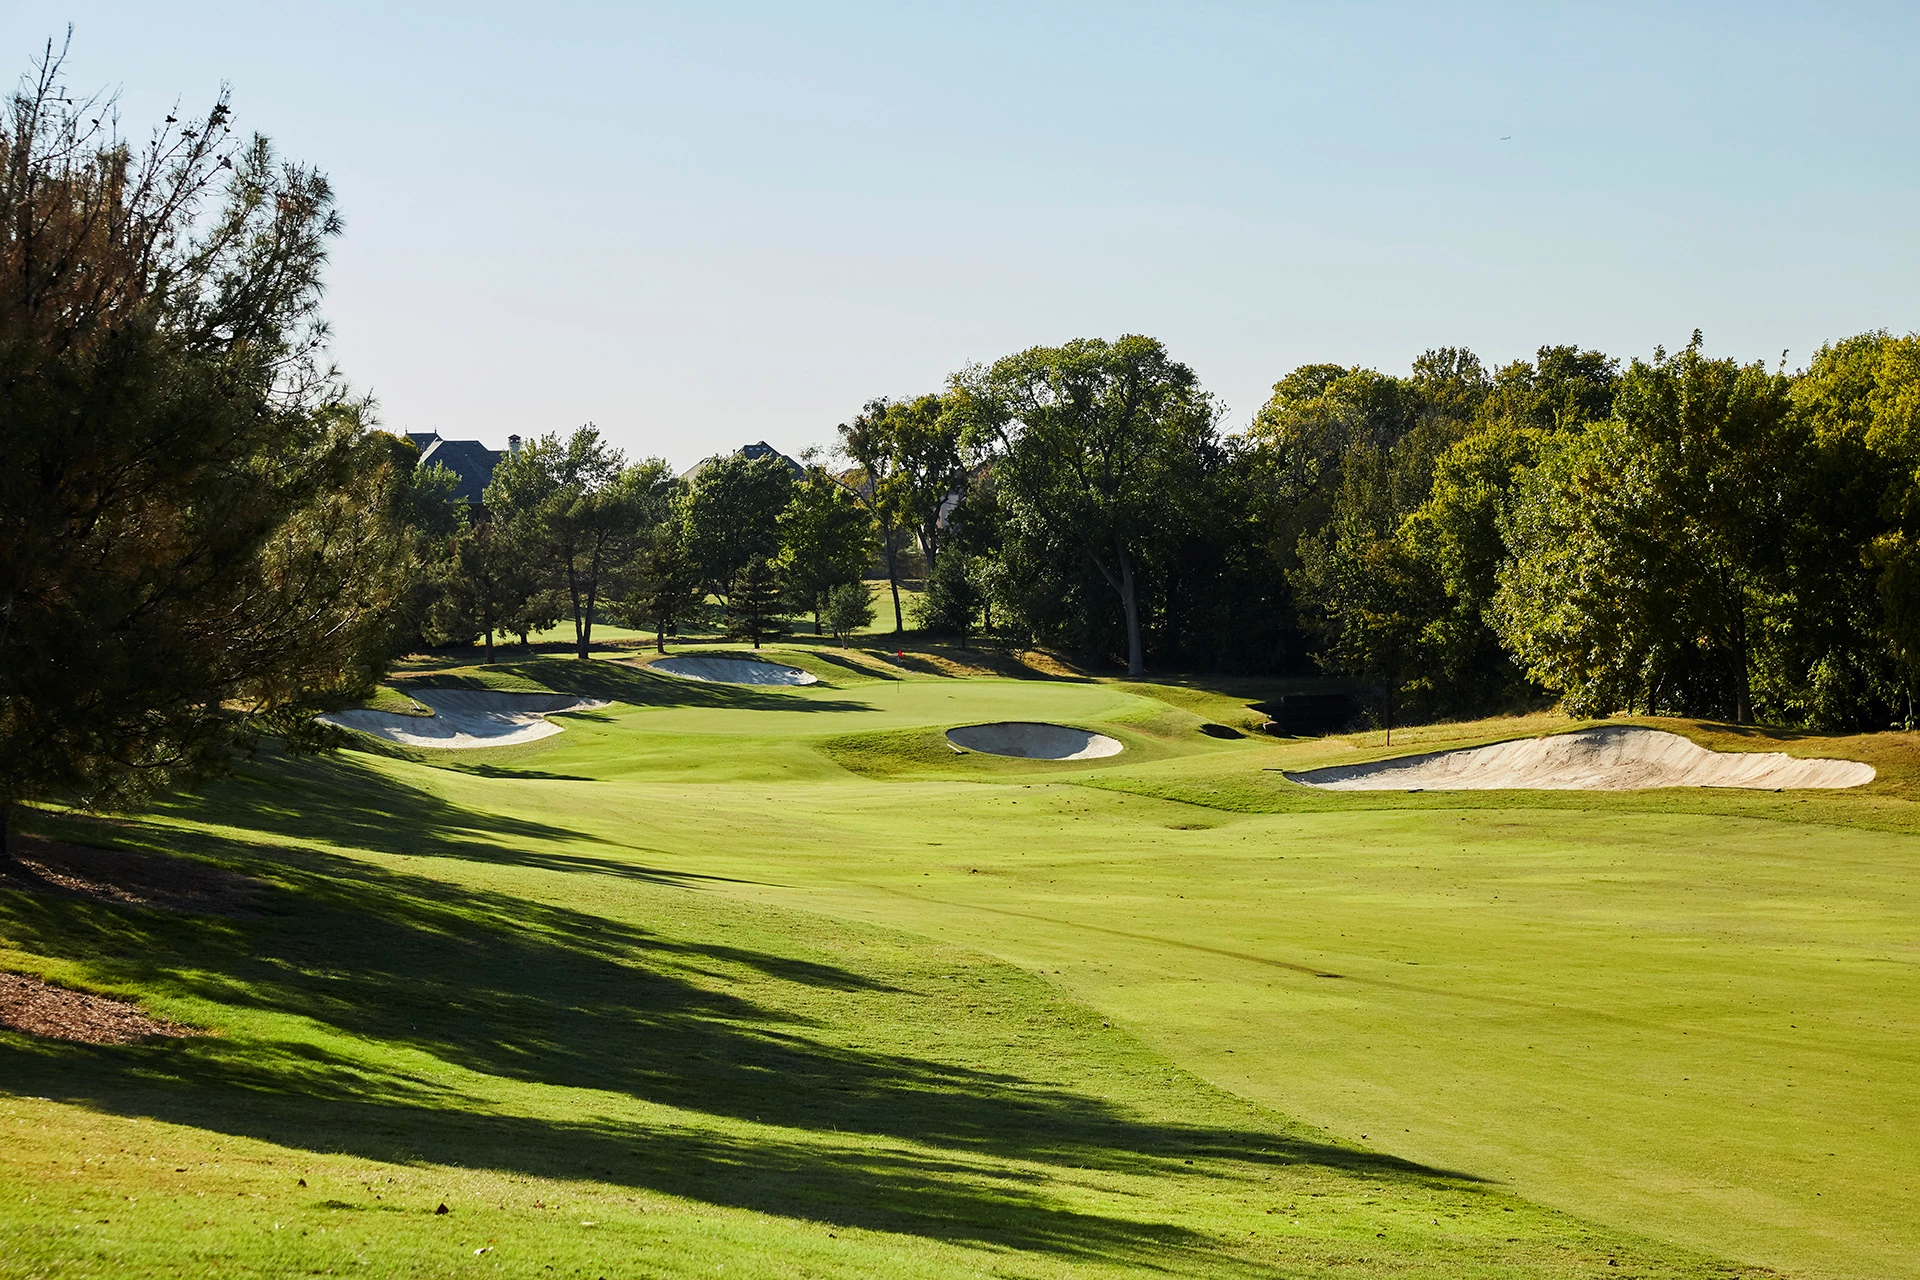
<point>467,718</point>
<point>732,671</point>
<point>1614,758</point>
<point>1032,740</point>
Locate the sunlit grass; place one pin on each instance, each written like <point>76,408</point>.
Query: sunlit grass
<point>771,980</point>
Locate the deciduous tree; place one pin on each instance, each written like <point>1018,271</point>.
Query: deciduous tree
<point>666,586</point>
<point>733,511</point>
<point>590,511</point>
<point>869,442</point>
<point>826,539</point>
<point>1099,442</point>
<point>849,609</point>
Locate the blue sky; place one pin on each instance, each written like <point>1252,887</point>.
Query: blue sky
<point>701,225</point>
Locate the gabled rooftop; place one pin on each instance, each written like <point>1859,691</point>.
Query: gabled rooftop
<point>469,460</point>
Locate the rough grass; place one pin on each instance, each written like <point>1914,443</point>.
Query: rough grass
<point>761,980</point>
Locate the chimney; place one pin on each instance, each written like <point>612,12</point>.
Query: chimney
<point>513,445</point>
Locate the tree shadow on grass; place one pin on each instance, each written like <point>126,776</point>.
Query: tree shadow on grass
<point>845,662</point>
<point>299,1097</point>
<point>638,687</point>
<point>911,662</point>
<point>803,1115</point>
<point>339,800</point>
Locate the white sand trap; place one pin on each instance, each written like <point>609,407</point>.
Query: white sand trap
<point>467,718</point>
<point>1614,758</point>
<point>1033,740</point>
<point>733,671</point>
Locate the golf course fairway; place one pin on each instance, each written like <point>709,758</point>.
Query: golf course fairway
<point>745,981</point>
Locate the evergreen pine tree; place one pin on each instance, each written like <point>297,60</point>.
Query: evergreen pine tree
<point>754,604</point>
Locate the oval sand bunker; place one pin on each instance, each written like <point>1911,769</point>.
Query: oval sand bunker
<point>1614,758</point>
<point>1032,740</point>
<point>467,718</point>
<point>732,671</point>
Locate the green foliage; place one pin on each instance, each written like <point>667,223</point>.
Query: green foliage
<point>871,442</point>
<point>755,608</point>
<point>665,586</point>
<point>582,513</point>
<point>1860,403</point>
<point>732,515</point>
<point>1564,388</point>
<point>1366,595</point>
<point>492,584</point>
<point>203,537</point>
<point>954,599</point>
<point>1648,560</point>
<point>929,464</point>
<point>849,610</point>
<point>826,540</point>
<point>1097,447</point>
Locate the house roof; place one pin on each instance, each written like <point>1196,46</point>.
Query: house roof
<point>759,449</point>
<point>470,460</point>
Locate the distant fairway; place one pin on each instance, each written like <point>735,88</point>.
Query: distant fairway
<point>724,970</point>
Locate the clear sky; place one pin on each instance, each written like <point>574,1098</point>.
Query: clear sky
<point>699,225</point>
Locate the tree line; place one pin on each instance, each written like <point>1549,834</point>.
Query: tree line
<point>207,538</point>
<point>1677,533</point>
<point>570,530</point>
<point>1671,534</point>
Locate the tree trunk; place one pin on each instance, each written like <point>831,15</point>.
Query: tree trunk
<point>893,580</point>
<point>1742,684</point>
<point>816,621</point>
<point>586,621</point>
<point>1129,601</point>
<point>6,810</point>
<point>486,618</point>
<point>1391,682</point>
<point>579,619</point>
<point>660,636</point>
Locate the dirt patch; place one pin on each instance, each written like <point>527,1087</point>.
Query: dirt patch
<point>129,878</point>
<point>59,1013</point>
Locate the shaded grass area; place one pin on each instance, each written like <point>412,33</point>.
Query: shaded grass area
<point>437,1003</point>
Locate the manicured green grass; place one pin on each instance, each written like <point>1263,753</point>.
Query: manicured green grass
<point>770,979</point>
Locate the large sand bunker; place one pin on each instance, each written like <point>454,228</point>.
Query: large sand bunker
<point>467,718</point>
<point>1033,740</point>
<point>733,671</point>
<point>1613,758</point>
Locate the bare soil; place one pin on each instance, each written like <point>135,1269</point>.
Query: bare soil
<point>39,1008</point>
<point>128,878</point>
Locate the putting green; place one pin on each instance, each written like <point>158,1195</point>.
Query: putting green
<point>1689,1017</point>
